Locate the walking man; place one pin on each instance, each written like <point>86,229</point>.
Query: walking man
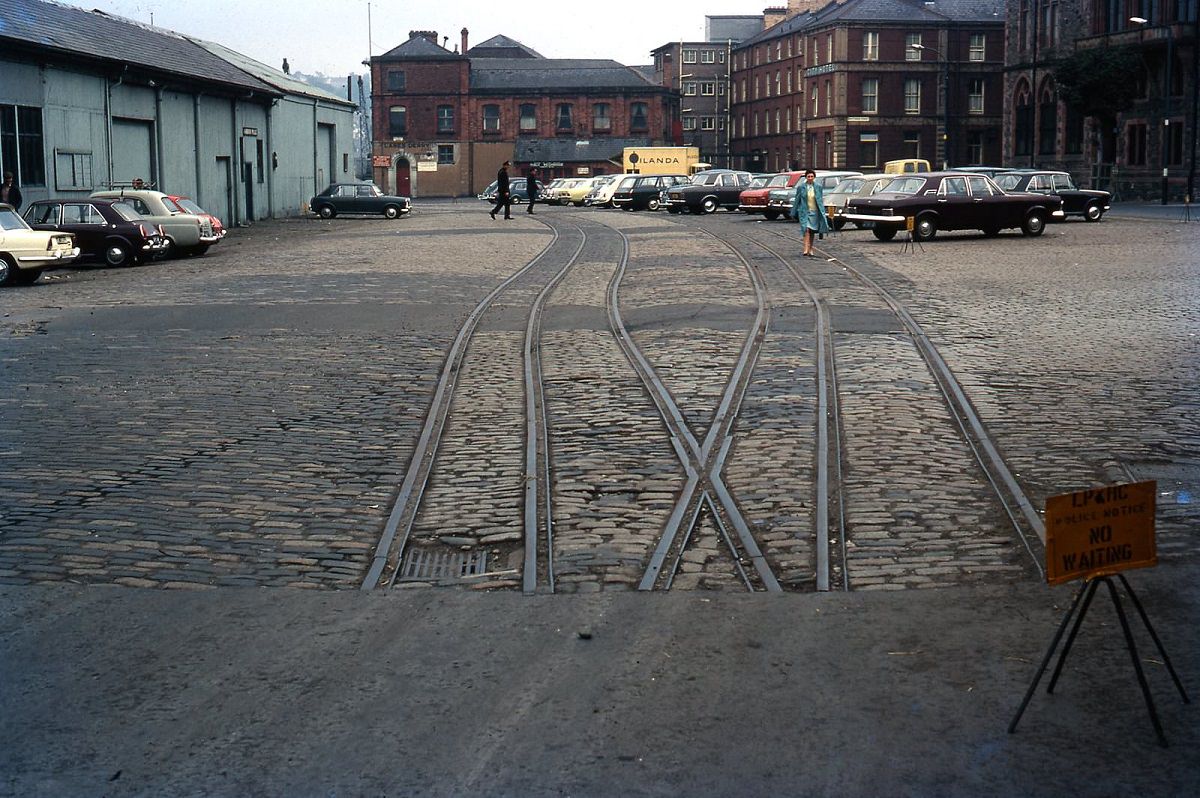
<point>503,197</point>
<point>531,188</point>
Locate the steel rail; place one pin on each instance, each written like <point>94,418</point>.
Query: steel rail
<point>990,460</point>
<point>537,433</point>
<point>827,409</point>
<point>403,513</point>
<point>701,466</point>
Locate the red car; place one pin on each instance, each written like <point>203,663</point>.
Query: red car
<point>186,205</point>
<point>754,199</point>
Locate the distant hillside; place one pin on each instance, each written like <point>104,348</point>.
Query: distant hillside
<point>336,84</point>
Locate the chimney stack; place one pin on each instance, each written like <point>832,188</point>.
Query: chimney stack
<point>431,35</point>
<point>464,41</point>
<point>773,16</point>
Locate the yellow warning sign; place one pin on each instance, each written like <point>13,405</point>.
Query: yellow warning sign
<point>908,223</point>
<point>1101,531</point>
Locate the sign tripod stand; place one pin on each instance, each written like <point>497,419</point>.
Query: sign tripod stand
<point>911,242</point>
<point>1086,592</point>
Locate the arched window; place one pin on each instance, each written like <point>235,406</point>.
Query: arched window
<point>639,116</point>
<point>1047,119</point>
<point>1022,120</point>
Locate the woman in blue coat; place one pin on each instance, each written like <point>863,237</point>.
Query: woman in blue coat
<point>808,208</point>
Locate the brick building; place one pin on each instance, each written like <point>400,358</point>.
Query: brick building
<point>1129,152</point>
<point>445,120</point>
<point>842,86</point>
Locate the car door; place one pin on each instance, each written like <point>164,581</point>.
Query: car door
<point>1074,201</point>
<point>955,206</point>
<point>88,225</point>
<point>729,191</point>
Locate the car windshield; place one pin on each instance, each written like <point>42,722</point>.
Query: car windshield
<point>9,220</point>
<point>126,212</point>
<point>1008,182</point>
<point>778,180</point>
<point>905,185</point>
<point>627,183</point>
<point>759,182</point>
<point>848,186</point>
<point>706,180</point>
<point>190,206</point>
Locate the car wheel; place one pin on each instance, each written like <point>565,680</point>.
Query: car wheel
<point>116,255</point>
<point>925,228</point>
<point>391,212</point>
<point>709,205</point>
<point>8,271</point>
<point>771,215</point>
<point>652,204</point>
<point>1034,224</point>
<point>1093,212</point>
<point>838,224</point>
<point>326,212</point>
<point>884,233</point>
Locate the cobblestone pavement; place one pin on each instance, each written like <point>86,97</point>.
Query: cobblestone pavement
<point>246,418</point>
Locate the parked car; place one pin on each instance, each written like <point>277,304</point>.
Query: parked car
<point>106,230</point>
<point>708,191</point>
<point>850,187</point>
<point>187,234</point>
<point>558,191</point>
<point>952,201</point>
<point>754,198</point>
<point>642,192</point>
<point>1089,203</point>
<point>188,205</point>
<point>25,252</point>
<point>517,189</point>
<point>358,198</point>
<point>902,166</point>
<point>602,191</point>
<point>578,192</point>
<point>780,199</point>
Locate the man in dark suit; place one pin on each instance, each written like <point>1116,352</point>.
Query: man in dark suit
<point>9,192</point>
<point>503,197</point>
<point>531,187</point>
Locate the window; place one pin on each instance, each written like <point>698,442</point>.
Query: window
<point>975,98</point>
<point>756,87</point>
<point>829,49</point>
<point>870,46</point>
<point>1174,136</point>
<point>1047,124</point>
<point>708,89</point>
<point>397,121</point>
<point>528,121</point>
<point>1135,144</point>
<point>689,123</point>
<point>81,213</point>
<point>639,116</point>
<point>1023,122</point>
<point>912,144</point>
<point>721,89</point>
<point>816,106</point>
<point>21,148</point>
<point>912,96</point>
<point>689,89</point>
<point>491,119</point>
<point>563,118</point>
<point>445,119</point>
<point>870,96</point>
<point>395,80</point>
<point>789,81</point>
<point>978,48</point>
<point>828,98</point>
<point>912,53</point>
<point>258,158</point>
<point>778,83</point>
<point>721,56</point>
<point>756,123</point>
<point>689,56</point>
<point>601,117</point>
<point>868,149</point>
<point>975,146</point>
<point>954,187</point>
<point>778,121</point>
<point>445,154</point>
<point>708,56</point>
<point>72,171</point>
<point>708,123</point>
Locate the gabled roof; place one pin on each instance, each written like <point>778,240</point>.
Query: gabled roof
<point>521,74</point>
<point>280,80</point>
<point>418,47</point>
<point>502,47</point>
<point>94,35</point>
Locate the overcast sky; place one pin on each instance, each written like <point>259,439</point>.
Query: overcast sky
<point>330,36</point>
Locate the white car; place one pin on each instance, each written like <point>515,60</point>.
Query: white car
<point>24,252</point>
<point>603,190</point>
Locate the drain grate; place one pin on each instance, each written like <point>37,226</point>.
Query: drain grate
<point>424,565</point>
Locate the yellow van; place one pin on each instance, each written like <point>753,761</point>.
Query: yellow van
<point>905,166</point>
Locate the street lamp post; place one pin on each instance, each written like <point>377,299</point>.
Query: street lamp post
<point>945,72</point>
<point>1165,137</point>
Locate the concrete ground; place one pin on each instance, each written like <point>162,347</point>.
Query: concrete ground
<point>115,692</point>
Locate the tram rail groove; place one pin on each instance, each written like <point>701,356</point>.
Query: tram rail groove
<point>389,550</point>
<point>973,430</point>
<point>702,462</point>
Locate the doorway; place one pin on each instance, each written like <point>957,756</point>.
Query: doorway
<point>403,178</point>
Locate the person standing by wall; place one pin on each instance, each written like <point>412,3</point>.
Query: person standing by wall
<point>531,188</point>
<point>503,197</point>
<point>9,192</point>
<point>808,208</point>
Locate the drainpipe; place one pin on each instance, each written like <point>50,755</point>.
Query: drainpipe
<point>315,130</point>
<point>268,171</point>
<point>108,117</point>
<point>199,164</point>
<point>159,174</point>
<point>235,153</point>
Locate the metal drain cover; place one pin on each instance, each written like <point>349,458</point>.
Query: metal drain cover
<point>428,564</point>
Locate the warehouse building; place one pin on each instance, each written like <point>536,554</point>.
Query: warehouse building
<point>89,100</point>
